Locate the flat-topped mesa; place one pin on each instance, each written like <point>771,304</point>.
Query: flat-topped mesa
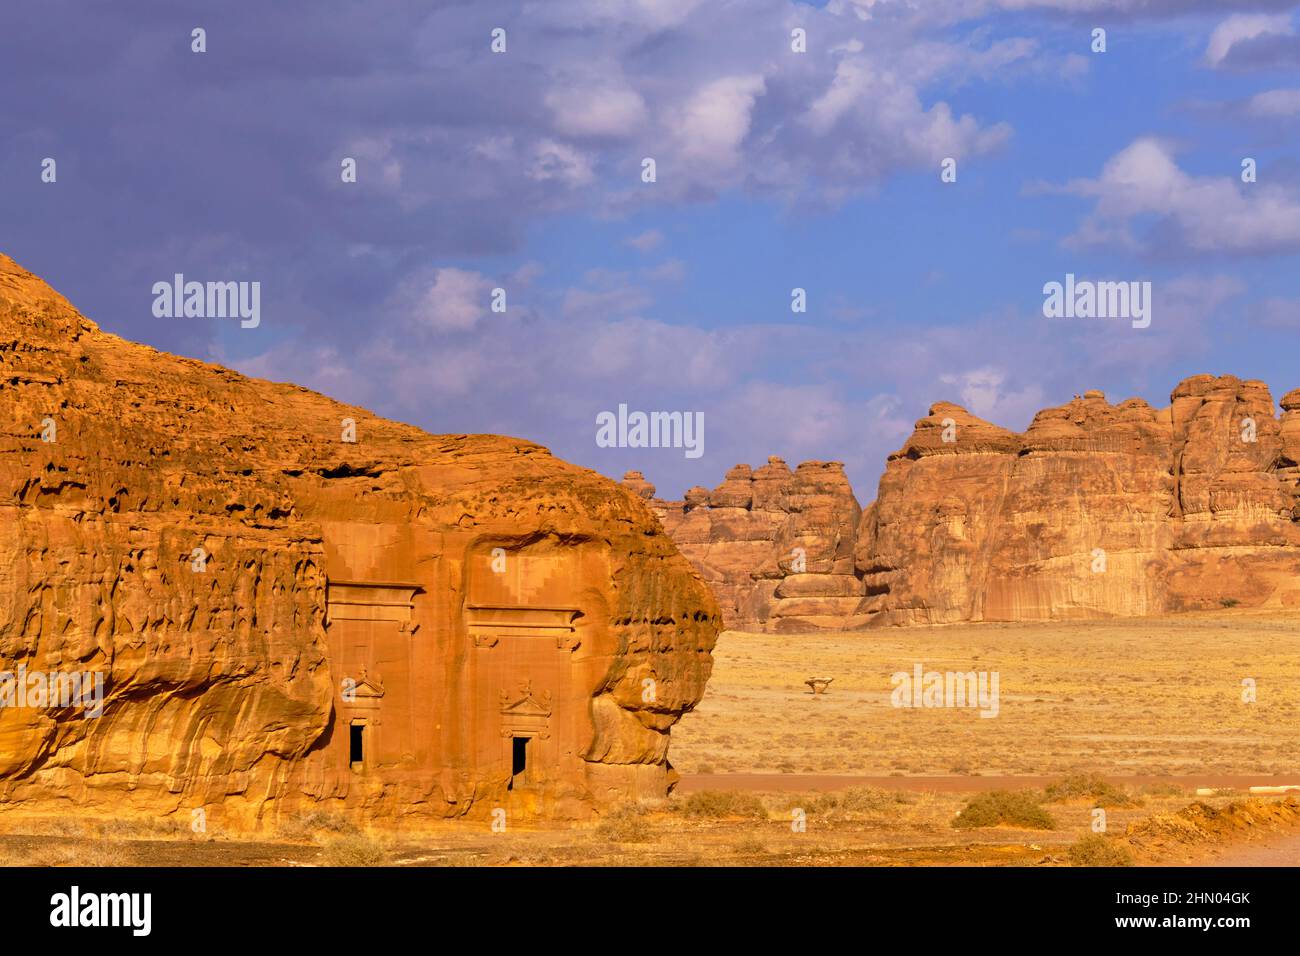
<point>289,615</point>
<point>775,546</point>
<point>1096,510</point>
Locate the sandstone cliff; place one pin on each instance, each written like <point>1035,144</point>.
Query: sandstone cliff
<point>401,625</point>
<point>776,546</point>
<point>1096,510</point>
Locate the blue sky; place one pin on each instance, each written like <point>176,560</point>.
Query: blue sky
<point>776,170</point>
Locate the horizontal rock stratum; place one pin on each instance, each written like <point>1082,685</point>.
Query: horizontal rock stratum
<point>1096,510</point>
<point>402,625</point>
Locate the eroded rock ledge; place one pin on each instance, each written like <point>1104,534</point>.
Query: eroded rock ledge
<point>775,545</point>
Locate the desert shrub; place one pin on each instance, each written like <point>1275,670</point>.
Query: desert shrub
<point>51,826</point>
<point>749,846</point>
<point>721,804</point>
<point>856,801</point>
<point>75,854</point>
<point>1098,850</point>
<point>1017,808</point>
<point>1229,602</point>
<point>1164,790</point>
<point>146,829</point>
<point>306,827</point>
<point>625,824</point>
<point>1088,786</point>
<point>356,849</point>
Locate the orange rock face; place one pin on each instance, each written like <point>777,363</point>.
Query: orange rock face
<point>294,604</point>
<point>1096,510</point>
<point>776,546</point>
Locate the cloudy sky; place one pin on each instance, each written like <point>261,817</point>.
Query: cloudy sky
<point>775,170</point>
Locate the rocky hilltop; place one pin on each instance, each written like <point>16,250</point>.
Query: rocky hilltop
<point>295,604</point>
<point>775,545</point>
<point>1095,510</point>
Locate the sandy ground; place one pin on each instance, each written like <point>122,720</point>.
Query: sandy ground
<point>774,775</point>
<point>1147,697</point>
<point>1281,851</point>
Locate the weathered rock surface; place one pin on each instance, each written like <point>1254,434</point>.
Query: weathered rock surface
<point>1096,510</point>
<point>406,625</point>
<point>776,546</point>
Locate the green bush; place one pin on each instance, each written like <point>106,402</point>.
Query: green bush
<point>1017,808</point>
<point>1097,850</point>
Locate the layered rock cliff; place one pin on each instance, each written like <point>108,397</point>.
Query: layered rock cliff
<point>1096,510</point>
<point>776,546</point>
<point>177,528</point>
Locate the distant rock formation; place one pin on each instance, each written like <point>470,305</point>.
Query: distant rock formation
<point>294,604</point>
<point>776,546</point>
<point>1096,510</point>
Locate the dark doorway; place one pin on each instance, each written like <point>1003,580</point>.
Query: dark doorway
<point>356,744</point>
<point>518,757</point>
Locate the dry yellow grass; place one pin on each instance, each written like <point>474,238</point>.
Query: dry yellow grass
<point>1128,697</point>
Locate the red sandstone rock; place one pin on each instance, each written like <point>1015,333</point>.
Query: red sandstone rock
<point>386,626</point>
<point>775,546</point>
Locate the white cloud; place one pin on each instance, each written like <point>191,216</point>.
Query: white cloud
<point>591,108</point>
<point>645,241</point>
<point>455,300</point>
<point>670,270</point>
<point>1274,104</point>
<point>1245,26</point>
<point>710,127</point>
<point>560,161</point>
<point>1195,213</point>
<point>984,393</point>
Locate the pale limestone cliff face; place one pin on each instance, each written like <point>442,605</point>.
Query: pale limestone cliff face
<point>223,686</point>
<point>1096,510</point>
<point>775,546</point>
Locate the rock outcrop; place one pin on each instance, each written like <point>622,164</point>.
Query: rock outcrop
<point>1096,510</point>
<point>294,604</point>
<point>776,546</point>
